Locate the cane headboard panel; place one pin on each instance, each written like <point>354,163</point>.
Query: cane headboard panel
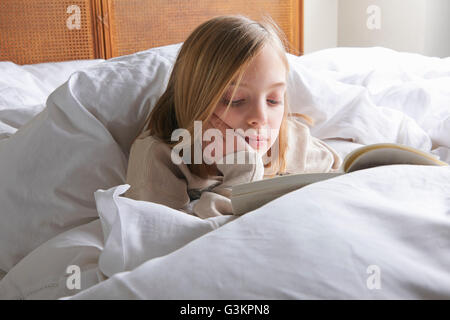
<point>34,31</point>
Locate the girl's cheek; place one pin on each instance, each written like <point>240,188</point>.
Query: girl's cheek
<point>228,118</point>
<point>276,118</point>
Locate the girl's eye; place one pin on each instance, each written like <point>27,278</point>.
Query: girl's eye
<point>234,102</point>
<point>274,102</point>
<point>241,101</point>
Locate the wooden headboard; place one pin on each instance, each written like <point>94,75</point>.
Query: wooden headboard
<point>58,30</point>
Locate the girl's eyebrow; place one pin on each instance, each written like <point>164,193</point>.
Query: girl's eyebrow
<point>277,84</point>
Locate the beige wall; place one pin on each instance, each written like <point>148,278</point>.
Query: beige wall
<point>402,24</point>
<point>437,28</point>
<point>421,26</point>
<point>320,24</point>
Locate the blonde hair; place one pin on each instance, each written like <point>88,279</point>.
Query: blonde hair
<point>215,53</point>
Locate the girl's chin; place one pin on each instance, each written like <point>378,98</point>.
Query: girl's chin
<point>258,145</point>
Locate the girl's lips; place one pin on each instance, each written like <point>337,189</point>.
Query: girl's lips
<point>255,143</point>
<point>248,139</point>
<point>258,138</point>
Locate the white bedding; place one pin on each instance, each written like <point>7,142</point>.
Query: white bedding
<point>25,88</point>
<point>316,242</point>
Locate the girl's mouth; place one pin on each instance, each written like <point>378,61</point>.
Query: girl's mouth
<point>256,142</point>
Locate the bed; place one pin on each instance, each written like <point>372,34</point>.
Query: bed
<point>70,109</point>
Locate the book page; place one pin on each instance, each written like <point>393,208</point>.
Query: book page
<point>389,156</point>
<point>249,196</point>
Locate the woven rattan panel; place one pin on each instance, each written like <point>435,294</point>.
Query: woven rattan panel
<point>134,25</point>
<point>34,31</point>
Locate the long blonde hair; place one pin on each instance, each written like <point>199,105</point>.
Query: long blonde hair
<point>215,53</point>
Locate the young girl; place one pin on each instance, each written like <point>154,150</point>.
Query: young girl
<point>230,73</point>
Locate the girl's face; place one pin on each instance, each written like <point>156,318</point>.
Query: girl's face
<point>259,100</point>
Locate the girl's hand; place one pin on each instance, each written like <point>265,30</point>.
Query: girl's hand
<point>239,143</point>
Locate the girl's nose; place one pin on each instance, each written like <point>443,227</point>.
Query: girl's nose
<point>257,115</point>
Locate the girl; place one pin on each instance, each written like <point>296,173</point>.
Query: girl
<point>230,73</point>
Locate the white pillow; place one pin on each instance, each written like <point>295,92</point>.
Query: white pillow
<point>25,88</point>
<point>79,143</point>
<point>343,110</point>
<point>137,231</point>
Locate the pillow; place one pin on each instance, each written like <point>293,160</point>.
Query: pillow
<point>24,89</point>
<point>348,111</point>
<point>137,231</point>
<point>79,143</point>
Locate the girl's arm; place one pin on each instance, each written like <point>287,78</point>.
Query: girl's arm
<point>152,175</point>
<point>241,165</point>
<point>218,201</point>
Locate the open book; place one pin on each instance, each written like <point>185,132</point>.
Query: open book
<point>249,196</point>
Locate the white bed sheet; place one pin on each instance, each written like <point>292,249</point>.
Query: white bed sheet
<point>316,242</point>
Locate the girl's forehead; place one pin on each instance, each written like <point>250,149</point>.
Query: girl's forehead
<point>271,86</point>
<point>269,73</point>
<point>265,79</point>
<point>266,70</point>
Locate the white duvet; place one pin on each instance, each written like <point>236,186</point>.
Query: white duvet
<point>380,233</point>
<point>323,241</point>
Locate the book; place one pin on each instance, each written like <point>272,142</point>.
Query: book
<point>250,196</point>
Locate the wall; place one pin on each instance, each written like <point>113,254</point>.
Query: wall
<point>320,24</point>
<point>402,24</point>
<point>421,26</point>
<point>437,28</point>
